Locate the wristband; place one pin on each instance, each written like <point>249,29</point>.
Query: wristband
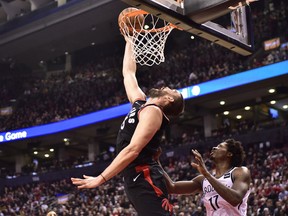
<point>103,177</point>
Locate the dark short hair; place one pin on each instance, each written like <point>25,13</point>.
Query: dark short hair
<point>176,107</point>
<point>236,148</point>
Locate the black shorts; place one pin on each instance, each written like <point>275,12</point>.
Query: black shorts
<point>146,189</point>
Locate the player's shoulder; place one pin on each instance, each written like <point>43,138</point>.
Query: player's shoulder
<point>152,108</point>
<point>241,171</point>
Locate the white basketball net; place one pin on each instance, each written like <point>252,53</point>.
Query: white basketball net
<point>148,34</point>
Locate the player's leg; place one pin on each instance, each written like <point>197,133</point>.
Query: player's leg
<point>147,192</point>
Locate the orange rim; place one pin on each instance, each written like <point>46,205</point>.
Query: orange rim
<point>142,12</point>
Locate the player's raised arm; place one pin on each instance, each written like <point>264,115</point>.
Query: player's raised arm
<point>129,74</point>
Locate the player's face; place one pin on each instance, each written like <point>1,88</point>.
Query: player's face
<point>219,151</point>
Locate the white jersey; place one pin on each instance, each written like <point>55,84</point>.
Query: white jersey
<point>215,205</point>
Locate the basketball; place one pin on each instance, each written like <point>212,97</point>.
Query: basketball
<point>130,22</point>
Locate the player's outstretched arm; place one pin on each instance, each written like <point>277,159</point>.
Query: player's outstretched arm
<point>132,88</point>
<point>150,121</point>
<point>184,187</point>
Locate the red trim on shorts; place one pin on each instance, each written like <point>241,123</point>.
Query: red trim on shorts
<point>146,171</point>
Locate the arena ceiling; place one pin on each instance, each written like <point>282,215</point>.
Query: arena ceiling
<point>99,25</point>
<point>68,30</point>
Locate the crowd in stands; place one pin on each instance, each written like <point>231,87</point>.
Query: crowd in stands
<point>85,88</point>
<point>189,136</point>
<point>269,189</point>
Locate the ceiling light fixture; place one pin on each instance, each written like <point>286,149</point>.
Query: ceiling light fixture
<point>238,116</point>
<point>247,108</point>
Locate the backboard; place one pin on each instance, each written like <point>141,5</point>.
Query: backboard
<point>213,20</point>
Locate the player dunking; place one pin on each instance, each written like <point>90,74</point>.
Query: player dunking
<point>226,192</point>
<point>138,139</point>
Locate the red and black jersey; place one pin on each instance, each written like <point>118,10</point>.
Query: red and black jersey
<point>127,129</point>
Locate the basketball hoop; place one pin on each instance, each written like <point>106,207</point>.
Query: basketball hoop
<point>147,33</point>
